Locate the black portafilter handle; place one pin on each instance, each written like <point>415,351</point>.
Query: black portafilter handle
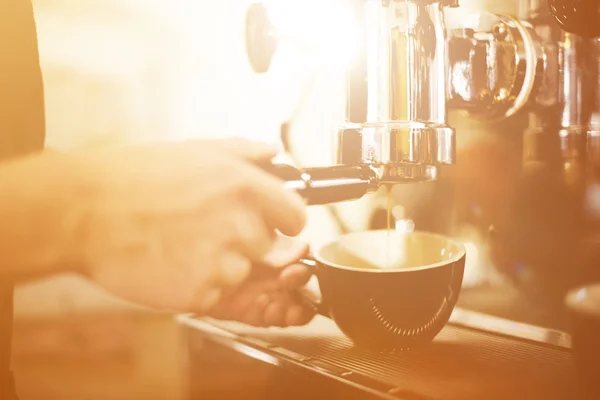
<point>325,185</point>
<point>580,17</point>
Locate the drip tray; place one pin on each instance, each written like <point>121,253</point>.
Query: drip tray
<point>498,359</point>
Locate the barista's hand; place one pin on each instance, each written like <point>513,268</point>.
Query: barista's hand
<point>264,299</point>
<point>171,226</point>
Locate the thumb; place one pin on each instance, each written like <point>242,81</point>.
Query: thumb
<point>285,251</point>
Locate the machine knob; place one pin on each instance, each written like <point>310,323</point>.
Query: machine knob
<point>261,39</point>
<point>579,17</point>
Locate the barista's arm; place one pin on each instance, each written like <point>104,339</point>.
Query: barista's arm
<point>42,207</point>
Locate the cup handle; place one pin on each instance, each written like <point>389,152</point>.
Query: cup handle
<point>302,295</point>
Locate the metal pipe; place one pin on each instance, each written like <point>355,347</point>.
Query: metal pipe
<point>396,119</point>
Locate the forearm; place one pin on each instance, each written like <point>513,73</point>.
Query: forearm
<point>43,203</point>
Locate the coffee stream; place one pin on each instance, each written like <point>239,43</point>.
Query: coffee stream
<point>388,192</point>
<point>381,254</point>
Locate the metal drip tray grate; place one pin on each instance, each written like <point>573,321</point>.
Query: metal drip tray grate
<point>461,364</point>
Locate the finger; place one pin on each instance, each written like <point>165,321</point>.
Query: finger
<point>265,276</point>
<point>246,149</point>
<point>250,235</point>
<point>295,276</point>
<point>237,301</point>
<point>255,314</point>
<point>282,209</point>
<point>297,316</point>
<point>205,300</point>
<point>275,312</point>
<point>234,268</point>
<point>285,251</point>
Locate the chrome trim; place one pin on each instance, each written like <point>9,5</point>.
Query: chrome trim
<point>505,327</point>
<point>593,133</point>
<point>398,151</point>
<point>495,67</point>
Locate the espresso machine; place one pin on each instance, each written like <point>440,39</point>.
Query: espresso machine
<point>531,190</point>
<point>533,75</point>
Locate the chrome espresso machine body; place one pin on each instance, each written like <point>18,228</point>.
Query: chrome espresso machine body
<point>410,71</point>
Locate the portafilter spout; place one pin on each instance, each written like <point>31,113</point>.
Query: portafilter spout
<point>325,185</point>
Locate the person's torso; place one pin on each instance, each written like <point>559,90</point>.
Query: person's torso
<point>21,129</point>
